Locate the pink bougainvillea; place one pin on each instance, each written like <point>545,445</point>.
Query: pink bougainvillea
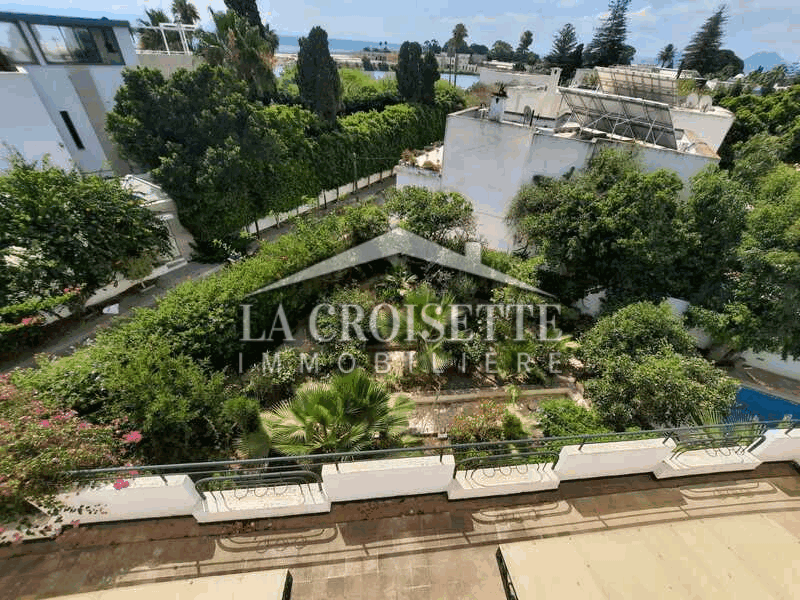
<point>120,484</point>
<point>132,437</point>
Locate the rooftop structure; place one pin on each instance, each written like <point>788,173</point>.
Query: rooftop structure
<point>64,75</point>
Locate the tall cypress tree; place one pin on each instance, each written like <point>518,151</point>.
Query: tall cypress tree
<point>430,75</point>
<point>608,44</point>
<point>317,76</point>
<point>702,53</point>
<point>409,71</point>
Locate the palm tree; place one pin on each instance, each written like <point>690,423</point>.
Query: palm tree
<point>185,12</point>
<point>666,58</point>
<point>459,35</point>
<point>150,39</point>
<point>239,45</point>
<point>352,412</point>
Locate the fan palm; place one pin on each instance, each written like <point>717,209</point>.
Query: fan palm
<point>185,12</point>
<point>239,45</point>
<point>666,57</point>
<point>459,35</point>
<point>150,39</point>
<point>351,413</point>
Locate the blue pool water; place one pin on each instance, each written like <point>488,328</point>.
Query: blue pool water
<point>765,406</point>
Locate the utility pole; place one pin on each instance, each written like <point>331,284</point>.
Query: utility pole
<point>355,174</point>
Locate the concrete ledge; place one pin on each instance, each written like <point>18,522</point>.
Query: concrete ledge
<point>779,446</point>
<point>140,498</point>
<point>364,480</point>
<point>704,462</point>
<point>262,503</point>
<point>609,459</point>
<point>500,481</point>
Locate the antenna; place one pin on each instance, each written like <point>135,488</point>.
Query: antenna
<point>705,103</point>
<point>692,100</point>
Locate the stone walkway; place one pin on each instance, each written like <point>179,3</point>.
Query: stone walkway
<point>422,547</point>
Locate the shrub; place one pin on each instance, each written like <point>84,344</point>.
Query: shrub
<point>437,216</point>
<point>563,417</point>
<point>40,444</point>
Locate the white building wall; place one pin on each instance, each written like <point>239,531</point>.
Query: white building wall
<point>711,126</point>
<point>169,63</point>
<point>25,124</point>
<point>488,162</point>
<point>489,76</point>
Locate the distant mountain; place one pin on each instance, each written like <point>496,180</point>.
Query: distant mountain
<point>768,60</point>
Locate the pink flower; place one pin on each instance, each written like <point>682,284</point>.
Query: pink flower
<point>133,437</point>
<point>28,320</point>
<point>121,484</point>
<point>75,523</point>
<point>82,426</point>
<point>133,473</point>
<point>2,529</point>
<point>44,423</point>
<point>16,538</point>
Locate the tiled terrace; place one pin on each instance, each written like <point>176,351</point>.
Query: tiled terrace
<point>416,547</point>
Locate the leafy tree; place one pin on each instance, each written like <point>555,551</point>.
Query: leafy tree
<point>608,44</point>
<point>634,331</point>
<point>479,49</point>
<point>660,390</point>
<point>238,45</point>
<point>350,413</point>
<point>501,51</point>
<point>63,230</point>
<point>317,77</point>
<point>765,313</point>
<point>565,53</point>
<point>611,227</point>
<point>431,46</point>
<point>457,41</point>
<point>727,64</point>
<point>409,71</point>
<point>248,10</point>
<point>563,417</point>
<point>666,57</point>
<point>490,422</point>
<point>702,53</point>
<point>183,11</point>
<point>715,217</point>
<point>437,216</point>
<point>151,39</point>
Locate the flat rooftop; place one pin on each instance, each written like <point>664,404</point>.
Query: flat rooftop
<point>426,547</point>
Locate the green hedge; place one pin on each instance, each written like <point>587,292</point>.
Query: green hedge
<point>227,161</point>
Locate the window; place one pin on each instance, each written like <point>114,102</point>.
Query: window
<point>89,45</point>
<point>14,45</point>
<point>71,128</point>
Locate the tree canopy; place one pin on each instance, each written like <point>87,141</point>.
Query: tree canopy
<point>566,54</point>
<point>702,53</point>
<point>608,44</point>
<point>61,230</point>
<point>666,56</point>
<point>317,76</point>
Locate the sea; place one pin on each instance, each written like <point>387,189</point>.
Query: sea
<point>289,44</point>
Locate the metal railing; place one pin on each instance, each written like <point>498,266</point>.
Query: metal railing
<point>533,452</point>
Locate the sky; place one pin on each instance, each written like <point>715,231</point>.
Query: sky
<point>753,26</point>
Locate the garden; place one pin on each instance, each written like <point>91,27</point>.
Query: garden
<point>177,383</point>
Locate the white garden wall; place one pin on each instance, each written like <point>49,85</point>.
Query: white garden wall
<point>364,480</point>
<point>142,498</point>
<point>612,458</point>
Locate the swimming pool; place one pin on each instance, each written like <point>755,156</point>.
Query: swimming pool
<point>766,406</point>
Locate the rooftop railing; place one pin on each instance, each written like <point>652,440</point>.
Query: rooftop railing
<point>282,470</point>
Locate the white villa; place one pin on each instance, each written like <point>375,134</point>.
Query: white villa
<point>542,129</point>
